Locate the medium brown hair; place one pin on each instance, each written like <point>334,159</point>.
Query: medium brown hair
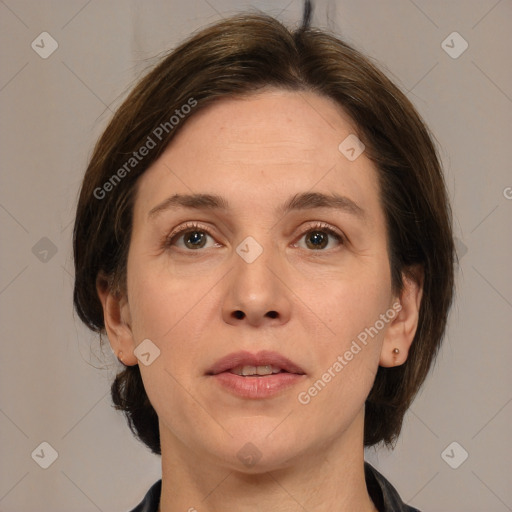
<point>240,56</point>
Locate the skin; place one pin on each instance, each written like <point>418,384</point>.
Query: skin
<point>257,152</point>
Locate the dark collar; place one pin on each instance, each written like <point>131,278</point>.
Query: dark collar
<point>382,493</point>
<point>151,500</point>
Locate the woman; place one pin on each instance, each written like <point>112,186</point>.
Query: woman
<point>263,233</point>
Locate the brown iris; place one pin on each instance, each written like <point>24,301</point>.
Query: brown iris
<point>317,239</point>
<point>194,239</point>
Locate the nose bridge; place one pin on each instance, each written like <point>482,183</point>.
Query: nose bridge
<point>256,294</point>
<point>251,268</point>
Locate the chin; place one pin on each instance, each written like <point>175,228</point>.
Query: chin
<point>260,448</point>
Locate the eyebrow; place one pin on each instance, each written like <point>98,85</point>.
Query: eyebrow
<point>303,201</point>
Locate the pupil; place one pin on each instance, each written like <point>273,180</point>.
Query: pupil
<point>318,240</point>
<point>195,239</point>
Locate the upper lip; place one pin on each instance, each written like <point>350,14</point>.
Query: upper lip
<point>262,358</point>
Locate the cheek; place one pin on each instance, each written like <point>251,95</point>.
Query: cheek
<point>171,312</point>
<point>176,313</point>
<point>159,301</point>
<point>346,303</point>
<point>348,341</point>
<point>348,352</point>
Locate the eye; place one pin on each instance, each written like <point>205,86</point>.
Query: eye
<point>191,236</point>
<point>321,236</point>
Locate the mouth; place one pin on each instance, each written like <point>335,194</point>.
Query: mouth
<point>262,364</point>
<point>256,376</point>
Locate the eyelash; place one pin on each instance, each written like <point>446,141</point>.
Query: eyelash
<point>193,226</point>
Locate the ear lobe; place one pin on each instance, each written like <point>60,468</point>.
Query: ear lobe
<point>116,314</point>
<point>402,329</point>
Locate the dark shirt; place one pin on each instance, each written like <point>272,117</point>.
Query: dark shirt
<point>382,493</point>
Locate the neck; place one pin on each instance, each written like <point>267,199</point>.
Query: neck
<point>324,479</point>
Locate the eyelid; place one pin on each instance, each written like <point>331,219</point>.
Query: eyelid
<point>191,225</point>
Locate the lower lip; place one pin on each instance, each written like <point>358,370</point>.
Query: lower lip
<point>257,387</point>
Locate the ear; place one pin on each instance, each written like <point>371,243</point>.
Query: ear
<point>116,314</point>
<point>401,330</point>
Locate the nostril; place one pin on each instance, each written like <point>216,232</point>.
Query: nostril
<point>272,314</point>
<point>238,314</point>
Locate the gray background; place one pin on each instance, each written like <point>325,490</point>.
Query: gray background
<point>54,379</point>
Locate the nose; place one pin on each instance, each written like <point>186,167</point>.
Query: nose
<point>257,294</point>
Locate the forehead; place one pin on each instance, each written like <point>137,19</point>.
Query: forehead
<point>265,146</point>
<point>292,123</point>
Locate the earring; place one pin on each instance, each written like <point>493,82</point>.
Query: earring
<point>396,351</point>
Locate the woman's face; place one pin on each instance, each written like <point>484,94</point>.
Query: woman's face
<point>274,264</point>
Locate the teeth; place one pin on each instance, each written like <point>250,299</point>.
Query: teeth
<point>256,370</point>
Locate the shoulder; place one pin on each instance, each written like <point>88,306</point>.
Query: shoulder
<point>382,493</point>
<point>151,499</point>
